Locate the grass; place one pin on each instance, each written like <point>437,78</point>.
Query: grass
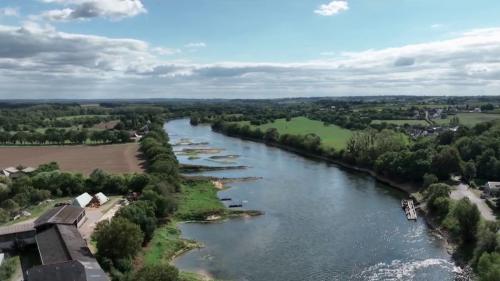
<point>166,244</point>
<point>199,200</point>
<point>331,135</point>
<point>469,119</point>
<point>401,122</point>
<point>37,210</point>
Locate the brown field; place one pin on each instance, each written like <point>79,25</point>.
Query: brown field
<point>116,158</point>
<point>106,125</point>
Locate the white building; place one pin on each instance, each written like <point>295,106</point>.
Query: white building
<point>492,188</point>
<point>82,200</point>
<point>101,198</point>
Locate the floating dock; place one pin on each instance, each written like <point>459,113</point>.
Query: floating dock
<point>409,209</point>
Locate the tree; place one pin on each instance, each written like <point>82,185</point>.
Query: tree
<point>469,171</point>
<point>4,216</point>
<point>489,267</point>
<point>142,214</point>
<point>163,272</point>
<point>271,135</point>
<point>117,239</point>
<point>429,179</point>
<point>468,216</point>
<point>446,162</point>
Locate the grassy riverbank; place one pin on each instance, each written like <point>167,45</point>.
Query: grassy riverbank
<point>197,201</point>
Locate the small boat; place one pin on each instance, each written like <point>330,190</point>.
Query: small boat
<point>225,199</point>
<point>239,205</point>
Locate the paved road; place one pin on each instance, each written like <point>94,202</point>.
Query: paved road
<point>462,190</point>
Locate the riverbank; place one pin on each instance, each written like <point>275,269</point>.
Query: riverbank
<point>197,202</point>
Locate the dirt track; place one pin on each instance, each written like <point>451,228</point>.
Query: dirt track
<point>117,158</point>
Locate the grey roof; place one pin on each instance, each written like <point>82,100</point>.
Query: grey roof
<point>83,200</point>
<point>16,228</point>
<point>60,215</point>
<point>68,271</point>
<point>65,255</point>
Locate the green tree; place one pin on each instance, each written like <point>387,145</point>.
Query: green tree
<point>117,239</point>
<point>469,171</point>
<point>429,179</point>
<point>447,161</point>
<point>163,272</point>
<point>489,267</point>
<point>468,217</point>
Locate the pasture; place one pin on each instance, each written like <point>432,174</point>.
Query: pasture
<point>470,119</point>
<point>331,135</point>
<point>116,158</point>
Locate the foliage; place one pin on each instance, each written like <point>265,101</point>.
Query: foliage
<point>489,267</point>
<point>117,239</point>
<point>8,268</point>
<point>163,272</point>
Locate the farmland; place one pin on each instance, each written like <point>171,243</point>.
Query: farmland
<point>470,119</point>
<point>117,158</point>
<point>331,135</point>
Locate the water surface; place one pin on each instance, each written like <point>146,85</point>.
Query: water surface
<point>321,222</point>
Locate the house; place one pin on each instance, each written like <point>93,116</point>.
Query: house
<point>100,199</point>
<point>60,252</point>
<point>13,172</point>
<point>10,171</point>
<point>492,188</point>
<point>63,215</point>
<point>83,200</point>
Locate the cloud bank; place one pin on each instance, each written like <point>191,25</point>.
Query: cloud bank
<point>40,61</point>
<point>86,9</point>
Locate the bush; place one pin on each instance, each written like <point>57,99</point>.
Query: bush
<point>489,267</point>
<point>7,269</point>
<point>162,272</point>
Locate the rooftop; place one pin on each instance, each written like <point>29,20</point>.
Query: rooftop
<point>60,215</point>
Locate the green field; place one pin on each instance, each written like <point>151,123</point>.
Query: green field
<point>401,122</point>
<point>469,119</point>
<point>331,136</point>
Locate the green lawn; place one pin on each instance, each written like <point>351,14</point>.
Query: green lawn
<point>331,136</point>
<point>401,122</point>
<point>470,119</point>
<point>199,200</point>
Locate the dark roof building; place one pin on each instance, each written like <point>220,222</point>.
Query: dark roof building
<point>65,255</point>
<point>66,215</point>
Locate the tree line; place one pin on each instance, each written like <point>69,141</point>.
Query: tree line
<point>61,136</point>
<point>119,241</point>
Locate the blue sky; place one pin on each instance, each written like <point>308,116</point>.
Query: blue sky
<point>248,48</point>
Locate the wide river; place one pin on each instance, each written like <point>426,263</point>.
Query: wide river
<point>321,222</point>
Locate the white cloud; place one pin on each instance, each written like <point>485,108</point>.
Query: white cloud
<point>39,61</point>
<point>166,51</point>
<point>85,9</point>
<point>196,45</point>
<point>9,12</point>
<point>332,8</point>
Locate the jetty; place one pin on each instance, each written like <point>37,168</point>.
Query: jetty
<point>409,209</point>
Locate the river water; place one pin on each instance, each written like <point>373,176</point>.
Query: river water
<point>321,222</point>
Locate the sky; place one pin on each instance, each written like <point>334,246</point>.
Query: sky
<point>247,48</point>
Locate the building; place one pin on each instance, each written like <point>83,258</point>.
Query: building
<point>83,200</point>
<point>100,199</point>
<point>492,188</point>
<point>13,172</point>
<point>63,215</point>
<point>59,251</point>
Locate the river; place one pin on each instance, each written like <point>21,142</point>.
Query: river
<point>321,222</point>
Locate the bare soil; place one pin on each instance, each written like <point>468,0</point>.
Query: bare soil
<point>116,158</point>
